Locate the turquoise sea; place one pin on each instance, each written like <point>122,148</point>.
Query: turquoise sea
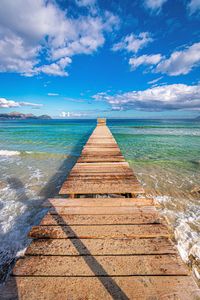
<point>35,156</point>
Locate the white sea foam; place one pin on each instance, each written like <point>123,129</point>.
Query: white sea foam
<point>187,238</point>
<point>9,153</point>
<point>163,199</point>
<point>16,219</point>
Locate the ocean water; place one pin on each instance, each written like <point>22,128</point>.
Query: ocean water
<point>36,155</point>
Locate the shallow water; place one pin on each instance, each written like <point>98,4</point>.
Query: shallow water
<point>36,155</point>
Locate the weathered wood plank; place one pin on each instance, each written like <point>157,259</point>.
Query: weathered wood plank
<point>97,231</point>
<point>95,288</point>
<point>112,177</point>
<point>101,170</point>
<point>136,218</point>
<point>101,246</point>
<point>169,264</point>
<point>97,158</point>
<point>101,173</point>
<point>103,151</point>
<point>101,139</point>
<point>98,210</point>
<point>100,145</point>
<point>104,154</point>
<point>102,188</point>
<point>136,202</point>
<point>102,165</point>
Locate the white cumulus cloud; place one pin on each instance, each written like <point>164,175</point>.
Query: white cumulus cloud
<point>167,97</point>
<point>181,62</point>
<point>154,5</point>
<point>5,103</point>
<point>153,59</point>
<point>194,6</point>
<point>132,42</point>
<point>178,63</point>
<point>30,30</point>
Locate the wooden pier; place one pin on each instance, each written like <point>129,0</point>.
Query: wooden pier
<point>105,241</point>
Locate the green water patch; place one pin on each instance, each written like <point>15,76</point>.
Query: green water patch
<point>44,155</point>
<point>182,167</point>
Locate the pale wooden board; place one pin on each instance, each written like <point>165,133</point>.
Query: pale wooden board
<point>97,231</point>
<point>102,153</point>
<point>105,136</point>
<point>100,144</point>
<point>102,167</point>
<point>97,179</point>
<point>102,137</point>
<point>121,164</point>
<point>103,150</point>
<point>136,218</point>
<point>91,158</point>
<point>100,210</point>
<point>102,173</point>
<point>101,246</point>
<point>102,140</point>
<point>102,170</point>
<point>100,176</point>
<point>95,288</point>
<point>103,188</point>
<point>96,143</point>
<point>99,202</point>
<point>169,264</point>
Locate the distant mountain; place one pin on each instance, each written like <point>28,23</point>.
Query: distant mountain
<point>21,116</point>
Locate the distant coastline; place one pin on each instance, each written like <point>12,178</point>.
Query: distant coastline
<point>21,116</point>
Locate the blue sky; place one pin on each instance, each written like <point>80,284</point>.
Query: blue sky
<point>89,58</point>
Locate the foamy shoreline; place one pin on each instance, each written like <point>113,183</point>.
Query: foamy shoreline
<point>9,153</point>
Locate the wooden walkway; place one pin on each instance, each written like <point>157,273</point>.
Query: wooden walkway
<point>114,247</point>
